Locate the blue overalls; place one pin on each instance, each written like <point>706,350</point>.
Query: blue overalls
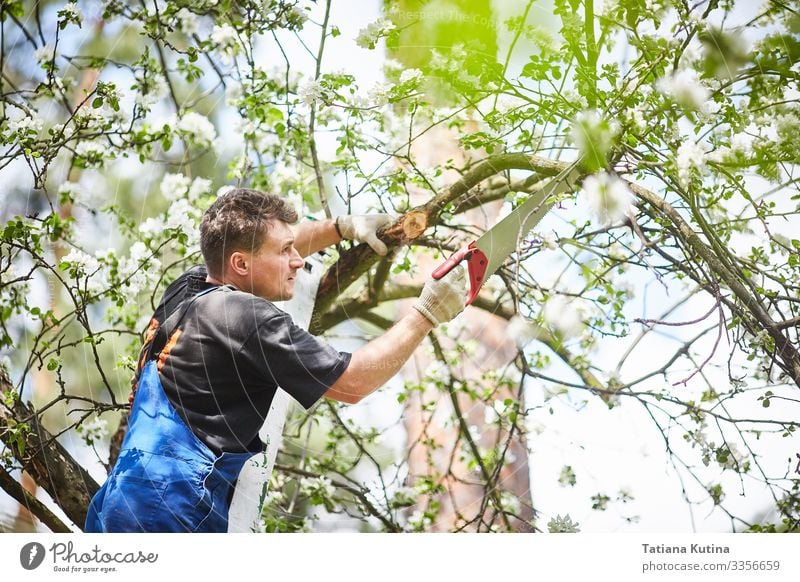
<point>165,479</point>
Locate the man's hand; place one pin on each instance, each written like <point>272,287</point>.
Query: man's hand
<point>363,228</point>
<point>440,301</point>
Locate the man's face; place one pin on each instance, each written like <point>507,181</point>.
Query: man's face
<point>274,266</point>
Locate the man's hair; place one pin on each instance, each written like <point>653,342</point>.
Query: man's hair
<point>239,221</point>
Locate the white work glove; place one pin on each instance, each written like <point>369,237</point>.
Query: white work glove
<point>440,301</point>
<point>363,228</point>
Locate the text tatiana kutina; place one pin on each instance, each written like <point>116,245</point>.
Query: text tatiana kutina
<point>691,549</point>
<point>64,553</point>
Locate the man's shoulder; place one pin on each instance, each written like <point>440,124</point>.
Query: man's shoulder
<point>187,285</point>
<point>228,301</point>
<point>193,280</point>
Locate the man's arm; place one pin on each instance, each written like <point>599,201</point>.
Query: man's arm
<point>372,365</point>
<point>312,236</point>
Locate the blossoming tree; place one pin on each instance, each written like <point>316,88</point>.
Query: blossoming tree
<point>664,286</point>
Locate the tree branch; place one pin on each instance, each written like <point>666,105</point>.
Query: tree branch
<point>36,507</point>
<point>43,457</point>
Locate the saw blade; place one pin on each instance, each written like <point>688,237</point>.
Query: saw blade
<point>504,238</point>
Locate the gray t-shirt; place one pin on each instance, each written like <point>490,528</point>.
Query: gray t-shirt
<point>228,354</point>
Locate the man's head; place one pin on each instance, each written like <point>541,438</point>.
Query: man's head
<point>246,241</point>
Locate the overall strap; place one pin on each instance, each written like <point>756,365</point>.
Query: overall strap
<point>162,336</point>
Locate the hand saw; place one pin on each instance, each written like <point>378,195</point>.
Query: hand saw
<point>485,254</point>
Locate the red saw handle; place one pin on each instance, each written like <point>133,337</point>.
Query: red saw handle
<point>476,266</point>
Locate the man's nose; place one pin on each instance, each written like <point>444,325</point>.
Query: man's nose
<point>296,261</point>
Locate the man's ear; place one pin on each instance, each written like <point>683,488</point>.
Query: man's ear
<point>239,263</point>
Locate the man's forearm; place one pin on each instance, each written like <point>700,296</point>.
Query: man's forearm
<point>311,236</point>
<point>375,363</point>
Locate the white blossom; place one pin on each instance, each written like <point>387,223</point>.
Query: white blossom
<point>368,37</point>
<point>199,187</point>
<point>495,412</point>
<point>419,521</point>
<point>44,54</point>
<point>273,497</point>
<point>233,92</point>
<point>411,75</point>
<point>98,282</point>
<point>743,140</point>
<point>243,126</point>
<point>735,459</point>
<point>610,199</point>
<point>293,18</point>
<point>64,84</point>
<point>198,128</point>
<point>89,271</point>
<point>156,87</point>
<point>310,92</point>
<point>267,141</point>
<point>379,94</point>
<point>139,252</point>
<point>321,485</point>
<point>151,227</point>
<point>187,21</point>
<point>549,241</point>
<point>510,502</point>
<point>637,117</point>
<point>174,186</point>
<point>182,215</point>
<point>617,252</point>
<point>90,149</point>
<point>88,197</point>
<point>25,125</point>
<point>91,118</point>
<point>564,315</point>
<point>690,156</point>
<point>226,40</point>
<point>82,261</point>
<point>691,54</point>
<point>139,270</point>
<point>564,524</point>
<point>521,331</point>
<point>507,102</point>
<point>592,134</point>
<point>72,12</point>
<point>685,88</point>
<point>93,430</point>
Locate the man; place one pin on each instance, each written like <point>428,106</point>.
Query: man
<point>215,352</point>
